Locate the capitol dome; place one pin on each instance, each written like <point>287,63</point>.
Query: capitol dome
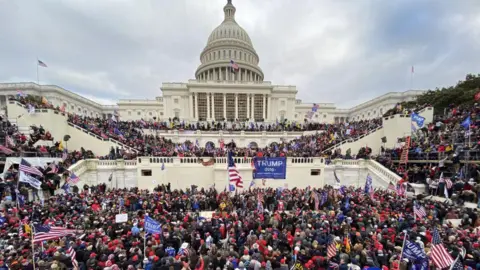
<point>229,54</point>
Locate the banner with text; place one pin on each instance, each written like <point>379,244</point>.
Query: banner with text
<point>270,167</point>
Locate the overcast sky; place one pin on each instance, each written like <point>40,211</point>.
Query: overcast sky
<point>338,51</point>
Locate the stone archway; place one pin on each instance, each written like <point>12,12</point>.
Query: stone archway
<point>209,145</point>
<point>253,145</point>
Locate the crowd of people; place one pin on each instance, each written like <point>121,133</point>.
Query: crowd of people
<point>453,139</point>
<point>131,133</point>
<point>258,228</point>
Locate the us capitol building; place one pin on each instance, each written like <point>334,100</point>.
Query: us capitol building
<point>229,84</point>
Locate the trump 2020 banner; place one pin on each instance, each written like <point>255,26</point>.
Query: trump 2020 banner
<point>270,167</point>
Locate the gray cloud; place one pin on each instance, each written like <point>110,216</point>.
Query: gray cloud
<point>333,51</point>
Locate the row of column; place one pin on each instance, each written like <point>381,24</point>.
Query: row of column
<point>211,113</point>
<point>225,73</point>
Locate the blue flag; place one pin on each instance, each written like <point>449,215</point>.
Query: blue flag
<point>152,226</point>
<point>419,120</point>
<point>466,123</point>
<point>416,255</point>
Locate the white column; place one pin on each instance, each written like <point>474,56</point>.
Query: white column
<point>236,106</point>
<point>208,106</point>
<point>264,107</point>
<point>253,107</point>
<point>245,78</point>
<point>213,106</point>
<point>226,74</point>
<point>269,112</point>
<point>196,106</point>
<point>248,106</point>
<point>190,101</point>
<point>224,106</point>
<point>215,74</point>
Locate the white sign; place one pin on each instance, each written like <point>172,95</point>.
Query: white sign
<point>207,214</point>
<point>121,218</point>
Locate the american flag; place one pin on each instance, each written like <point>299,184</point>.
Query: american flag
<point>10,142</point>
<point>53,167</point>
<point>20,229</point>
<point>401,189</point>
<point>20,93</point>
<point>331,248</point>
<point>41,63</point>
<point>6,150</point>
<point>74,179</point>
<point>234,65</point>
<point>391,187</point>
<point>28,168</point>
<point>448,183</point>
<point>419,210</point>
<point>458,265</point>
<point>73,255</point>
<point>439,255</point>
<point>233,174</point>
<point>45,232</point>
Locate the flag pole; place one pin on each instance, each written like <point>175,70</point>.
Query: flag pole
<point>33,245</point>
<point>455,262</point>
<point>403,246</point>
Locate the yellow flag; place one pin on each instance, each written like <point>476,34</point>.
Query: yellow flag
<point>28,229</point>
<point>44,100</point>
<point>60,146</point>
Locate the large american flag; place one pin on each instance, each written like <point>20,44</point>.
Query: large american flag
<point>439,255</point>
<point>73,255</point>
<point>6,150</point>
<point>28,168</point>
<point>233,174</point>
<point>74,179</point>
<point>46,232</point>
<point>331,247</point>
<point>419,210</point>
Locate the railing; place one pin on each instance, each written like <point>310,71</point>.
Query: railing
<point>164,132</point>
<point>465,156</point>
<point>384,172</point>
<point>351,140</point>
<point>83,166</point>
<point>222,160</point>
<point>44,110</point>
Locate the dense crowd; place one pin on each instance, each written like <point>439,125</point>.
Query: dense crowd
<point>448,142</point>
<point>255,229</point>
<point>131,133</point>
<point>447,134</point>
